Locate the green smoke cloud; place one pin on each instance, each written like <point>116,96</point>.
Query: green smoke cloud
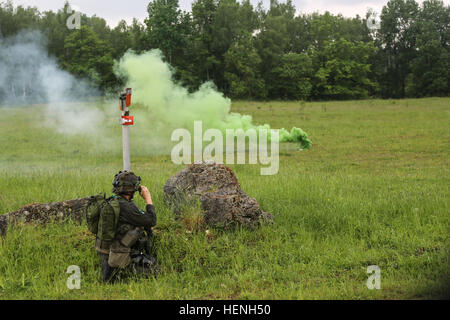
<point>171,106</point>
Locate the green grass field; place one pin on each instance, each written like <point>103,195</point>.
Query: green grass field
<point>373,190</point>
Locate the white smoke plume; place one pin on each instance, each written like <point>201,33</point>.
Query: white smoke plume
<point>29,76</point>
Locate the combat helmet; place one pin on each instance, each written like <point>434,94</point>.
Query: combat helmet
<point>126,182</point>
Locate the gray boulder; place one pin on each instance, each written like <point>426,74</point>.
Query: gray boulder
<point>38,213</point>
<point>216,188</point>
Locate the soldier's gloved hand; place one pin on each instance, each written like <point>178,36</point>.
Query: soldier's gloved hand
<point>145,193</point>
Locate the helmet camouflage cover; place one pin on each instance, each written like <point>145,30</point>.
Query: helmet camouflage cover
<point>126,182</point>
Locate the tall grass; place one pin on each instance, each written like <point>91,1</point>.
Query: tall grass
<point>373,190</point>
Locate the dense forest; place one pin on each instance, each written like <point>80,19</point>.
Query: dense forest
<point>253,53</point>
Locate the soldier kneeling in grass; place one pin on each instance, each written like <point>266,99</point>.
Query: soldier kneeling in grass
<point>124,239</point>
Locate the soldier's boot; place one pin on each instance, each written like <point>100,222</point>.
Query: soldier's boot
<point>108,273</point>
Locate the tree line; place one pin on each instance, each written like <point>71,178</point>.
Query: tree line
<point>255,53</point>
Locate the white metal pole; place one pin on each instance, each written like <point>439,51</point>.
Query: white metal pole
<point>126,144</point>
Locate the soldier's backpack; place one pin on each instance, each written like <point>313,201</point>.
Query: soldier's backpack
<point>102,216</point>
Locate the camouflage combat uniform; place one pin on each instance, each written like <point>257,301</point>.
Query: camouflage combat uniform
<point>131,217</point>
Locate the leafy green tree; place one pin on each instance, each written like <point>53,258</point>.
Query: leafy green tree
<point>256,53</point>
<point>170,30</point>
<point>293,76</point>
<point>273,39</point>
<point>121,39</point>
<point>54,26</point>
<point>203,12</point>
<point>343,69</point>
<point>248,17</point>
<point>231,22</point>
<point>301,38</point>
<point>316,29</point>
<point>98,25</point>
<point>396,40</point>
<point>431,68</point>
<point>217,25</point>
<point>87,56</point>
<point>13,20</point>
<point>242,64</point>
<point>137,35</point>
<point>167,28</point>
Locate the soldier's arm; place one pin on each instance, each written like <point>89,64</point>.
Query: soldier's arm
<point>130,213</point>
<point>150,208</point>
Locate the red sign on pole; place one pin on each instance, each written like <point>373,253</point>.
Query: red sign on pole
<point>127,120</point>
